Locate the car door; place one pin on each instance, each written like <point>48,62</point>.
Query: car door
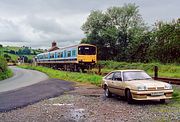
<point>109,81</point>
<point>118,84</point>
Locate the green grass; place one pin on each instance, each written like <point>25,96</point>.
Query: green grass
<point>165,70</point>
<point>68,76</point>
<point>176,97</point>
<point>7,74</point>
<point>89,78</point>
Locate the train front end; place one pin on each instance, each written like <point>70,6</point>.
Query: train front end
<point>87,54</point>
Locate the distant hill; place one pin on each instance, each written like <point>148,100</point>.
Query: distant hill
<point>12,53</point>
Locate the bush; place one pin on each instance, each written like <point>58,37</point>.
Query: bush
<point>4,71</point>
<point>3,64</point>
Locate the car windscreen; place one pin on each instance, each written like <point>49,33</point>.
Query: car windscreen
<point>86,50</point>
<point>135,75</point>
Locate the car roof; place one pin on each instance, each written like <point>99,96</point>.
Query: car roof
<point>127,70</point>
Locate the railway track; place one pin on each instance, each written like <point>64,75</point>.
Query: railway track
<point>169,80</point>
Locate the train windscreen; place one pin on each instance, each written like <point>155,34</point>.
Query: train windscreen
<point>86,50</point>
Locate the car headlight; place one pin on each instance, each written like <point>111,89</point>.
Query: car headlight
<point>142,88</point>
<point>167,86</point>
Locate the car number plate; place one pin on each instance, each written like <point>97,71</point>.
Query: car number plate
<point>157,94</point>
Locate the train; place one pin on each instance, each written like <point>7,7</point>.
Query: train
<point>72,58</point>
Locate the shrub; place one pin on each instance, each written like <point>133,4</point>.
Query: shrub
<point>4,71</point>
<point>3,64</point>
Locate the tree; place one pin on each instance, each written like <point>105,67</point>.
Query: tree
<point>12,52</point>
<point>114,31</point>
<point>7,57</point>
<point>26,51</point>
<point>166,45</point>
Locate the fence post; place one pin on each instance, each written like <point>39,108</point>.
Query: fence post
<point>155,72</point>
<point>99,69</point>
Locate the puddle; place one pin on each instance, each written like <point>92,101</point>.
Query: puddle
<point>77,114</point>
<point>92,95</point>
<point>52,99</point>
<point>93,88</point>
<point>59,104</point>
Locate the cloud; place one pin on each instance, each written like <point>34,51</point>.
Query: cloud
<point>37,23</point>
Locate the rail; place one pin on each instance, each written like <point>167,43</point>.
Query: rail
<point>169,80</point>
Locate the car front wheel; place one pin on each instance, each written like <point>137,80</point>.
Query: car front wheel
<point>107,92</point>
<point>129,96</point>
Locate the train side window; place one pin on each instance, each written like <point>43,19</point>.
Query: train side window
<point>45,56</point>
<point>74,53</point>
<point>69,54</point>
<point>61,54</point>
<point>65,53</point>
<point>52,55</point>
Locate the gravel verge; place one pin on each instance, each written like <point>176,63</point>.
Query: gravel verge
<point>87,104</point>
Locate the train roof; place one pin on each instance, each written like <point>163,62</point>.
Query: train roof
<point>78,45</point>
<point>67,47</point>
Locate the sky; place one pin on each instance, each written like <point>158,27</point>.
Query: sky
<point>36,23</point>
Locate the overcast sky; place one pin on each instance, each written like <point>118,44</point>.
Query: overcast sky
<point>37,23</point>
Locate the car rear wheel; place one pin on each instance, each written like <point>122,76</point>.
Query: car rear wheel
<point>107,93</point>
<point>162,100</point>
<point>129,96</point>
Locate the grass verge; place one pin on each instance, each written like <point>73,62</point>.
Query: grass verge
<point>69,76</point>
<point>165,70</point>
<point>6,74</point>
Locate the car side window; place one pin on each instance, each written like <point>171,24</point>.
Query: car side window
<point>117,76</point>
<point>110,76</point>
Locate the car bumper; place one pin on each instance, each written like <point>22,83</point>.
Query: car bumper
<point>151,95</point>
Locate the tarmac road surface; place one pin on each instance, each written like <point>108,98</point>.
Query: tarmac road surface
<point>21,78</point>
<point>27,87</point>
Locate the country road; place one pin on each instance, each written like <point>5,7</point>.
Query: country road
<point>28,87</point>
<point>21,78</point>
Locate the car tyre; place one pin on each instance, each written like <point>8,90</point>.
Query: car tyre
<point>129,97</point>
<point>107,93</point>
<point>162,100</point>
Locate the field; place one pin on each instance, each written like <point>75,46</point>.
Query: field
<point>14,57</point>
<point>165,70</point>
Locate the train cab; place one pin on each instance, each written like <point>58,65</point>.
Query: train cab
<point>87,53</point>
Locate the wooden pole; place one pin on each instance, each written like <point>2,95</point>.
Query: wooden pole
<point>155,72</point>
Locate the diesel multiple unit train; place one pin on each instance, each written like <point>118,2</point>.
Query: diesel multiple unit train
<point>73,58</point>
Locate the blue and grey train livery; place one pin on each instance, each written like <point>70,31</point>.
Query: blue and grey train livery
<point>76,57</point>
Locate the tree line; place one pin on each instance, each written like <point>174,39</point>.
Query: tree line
<point>22,53</point>
<point>121,34</point>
